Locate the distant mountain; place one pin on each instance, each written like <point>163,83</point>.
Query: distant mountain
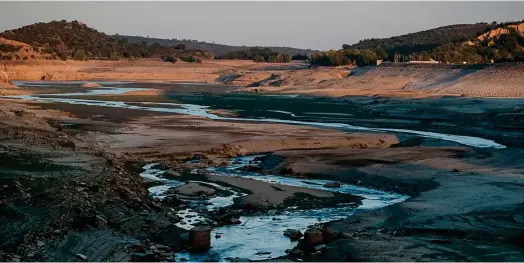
<point>216,49</point>
<point>424,40</point>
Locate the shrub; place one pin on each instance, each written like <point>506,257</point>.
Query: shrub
<point>258,58</point>
<point>114,56</point>
<point>62,56</point>
<point>9,48</point>
<point>190,59</point>
<point>79,55</point>
<point>48,50</point>
<point>169,59</point>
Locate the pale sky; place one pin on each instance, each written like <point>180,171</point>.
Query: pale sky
<point>315,25</point>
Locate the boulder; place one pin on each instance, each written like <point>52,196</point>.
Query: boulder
<point>293,234</point>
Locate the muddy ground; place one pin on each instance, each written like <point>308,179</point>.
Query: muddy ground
<point>70,183</point>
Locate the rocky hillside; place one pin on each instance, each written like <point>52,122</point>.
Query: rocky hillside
<point>496,33</point>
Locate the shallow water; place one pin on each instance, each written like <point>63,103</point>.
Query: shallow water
<point>261,237</point>
<point>203,111</point>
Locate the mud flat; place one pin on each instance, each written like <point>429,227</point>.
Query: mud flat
<point>457,159</point>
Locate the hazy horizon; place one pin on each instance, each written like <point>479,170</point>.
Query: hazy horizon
<point>313,25</point>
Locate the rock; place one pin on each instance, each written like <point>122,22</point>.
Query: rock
<point>235,221</point>
<point>40,243</point>
<point>229,150</point>
<point>329,234</point>
<point>313,237</point>
<point>263,253</point>
<point>81,256</point>
<point>143,257</point>
<point>332,185</point>
<point>320,247</point>
<point>218,236</point>
<point>48,76</point>
<point>4,78</point>
<point>91,85</point>
<point>339,250</point>
<point>293,234</point>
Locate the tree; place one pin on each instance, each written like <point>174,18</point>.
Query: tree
<point>114,56</point>
<point>381,54</point>
<point>258,58</point>
<point>79,55</point>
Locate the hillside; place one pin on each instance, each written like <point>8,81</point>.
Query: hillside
<point>65,38</point>
<point>15,50</point>
<point>496,33</point>
<point>423,40</point>
<point>216,49</point>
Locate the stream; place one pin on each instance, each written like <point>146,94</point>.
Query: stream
<point>204,111</point>
<point>260,237</point>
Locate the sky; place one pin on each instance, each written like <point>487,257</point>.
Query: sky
<point>314,25</point>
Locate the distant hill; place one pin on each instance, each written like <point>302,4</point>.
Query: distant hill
<point>216,49</point>
<point>424,40</point>
<point>65,38</point>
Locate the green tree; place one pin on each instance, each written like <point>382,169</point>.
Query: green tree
<point>79,55</point>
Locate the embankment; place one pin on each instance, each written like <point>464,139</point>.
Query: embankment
<point>397,80</point>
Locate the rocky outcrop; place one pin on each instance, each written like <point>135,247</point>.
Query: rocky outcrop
<point>4,78</point>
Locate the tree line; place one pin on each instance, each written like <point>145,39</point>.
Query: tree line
<point>258,55</point>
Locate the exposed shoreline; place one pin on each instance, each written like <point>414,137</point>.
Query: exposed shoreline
<point>444,181</point>
<point>392,80</point>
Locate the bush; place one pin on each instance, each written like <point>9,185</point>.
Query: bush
<point>62,56</point>
<point>114,56</point>
<point>9,48</point>
<point>79,55</point>
<point>190,59</point>
<point>48,50</point>
<point>258,58</point>
<point>169,59</point>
